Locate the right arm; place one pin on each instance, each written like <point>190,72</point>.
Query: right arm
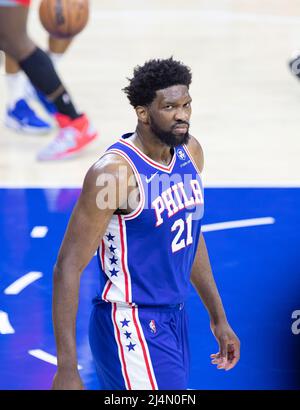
<point>86,227</point>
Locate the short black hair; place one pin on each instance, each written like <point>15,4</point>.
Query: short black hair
<point>155,75</point>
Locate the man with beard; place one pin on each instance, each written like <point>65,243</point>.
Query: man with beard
<point>150,247</point>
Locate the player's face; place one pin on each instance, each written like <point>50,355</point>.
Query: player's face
<point>169,115</point>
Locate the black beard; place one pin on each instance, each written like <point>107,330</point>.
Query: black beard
<point>167,137</point>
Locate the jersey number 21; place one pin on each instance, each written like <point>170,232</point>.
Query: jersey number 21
<point>183,236</point>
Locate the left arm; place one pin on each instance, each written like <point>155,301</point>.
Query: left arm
<point>204,283</point>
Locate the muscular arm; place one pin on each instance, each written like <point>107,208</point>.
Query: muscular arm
<point>204,283</point>
<point>86,227</point>
<point>201,276</point>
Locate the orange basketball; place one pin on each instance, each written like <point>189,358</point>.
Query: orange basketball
<point>64,18</point>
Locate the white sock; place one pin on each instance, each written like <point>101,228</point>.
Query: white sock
<point>16,88</point>
<point>55,57</point>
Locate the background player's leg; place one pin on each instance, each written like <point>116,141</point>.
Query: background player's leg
<point>35,62</point>
<point>56,49</point>
<point>13,35</point>
<point>11,66</point>
<point>40,70</point>
<point>19,116</point>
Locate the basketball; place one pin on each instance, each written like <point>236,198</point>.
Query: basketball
<point>64,18</point>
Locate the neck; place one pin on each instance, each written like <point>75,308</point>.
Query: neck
<point>150,145</point>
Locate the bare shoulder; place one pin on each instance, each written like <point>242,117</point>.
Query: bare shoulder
<point>109,165</point>
<point>108,173</point>
<point>196,151</point>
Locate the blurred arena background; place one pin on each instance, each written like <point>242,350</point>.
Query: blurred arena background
<point>246,106</point>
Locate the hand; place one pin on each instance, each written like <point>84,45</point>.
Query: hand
<point>229,347</point>
<point>67,380</point>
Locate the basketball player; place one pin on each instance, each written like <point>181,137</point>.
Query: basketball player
<point>141,205</point>
<point>75,128</point>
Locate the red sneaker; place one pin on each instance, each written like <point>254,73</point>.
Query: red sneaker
<point>62,120</point>
<point>73,136</point>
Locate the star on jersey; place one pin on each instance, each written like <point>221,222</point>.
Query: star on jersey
<point>114,272</point>
<point>128,335</point>
<point>124,322</point>
<point>112,248</point>
<point>113,260</point>
<point>110,237</point>
<point>130,346</point>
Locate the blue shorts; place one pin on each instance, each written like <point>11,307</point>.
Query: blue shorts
<point>140,348</point>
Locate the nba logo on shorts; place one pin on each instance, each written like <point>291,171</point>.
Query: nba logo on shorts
<point>152,326</point>
<point>181,154</point>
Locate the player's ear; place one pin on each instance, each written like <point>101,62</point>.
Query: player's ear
<point>142,114</point>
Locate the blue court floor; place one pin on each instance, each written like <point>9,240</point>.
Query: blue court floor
<point>257,269</point>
